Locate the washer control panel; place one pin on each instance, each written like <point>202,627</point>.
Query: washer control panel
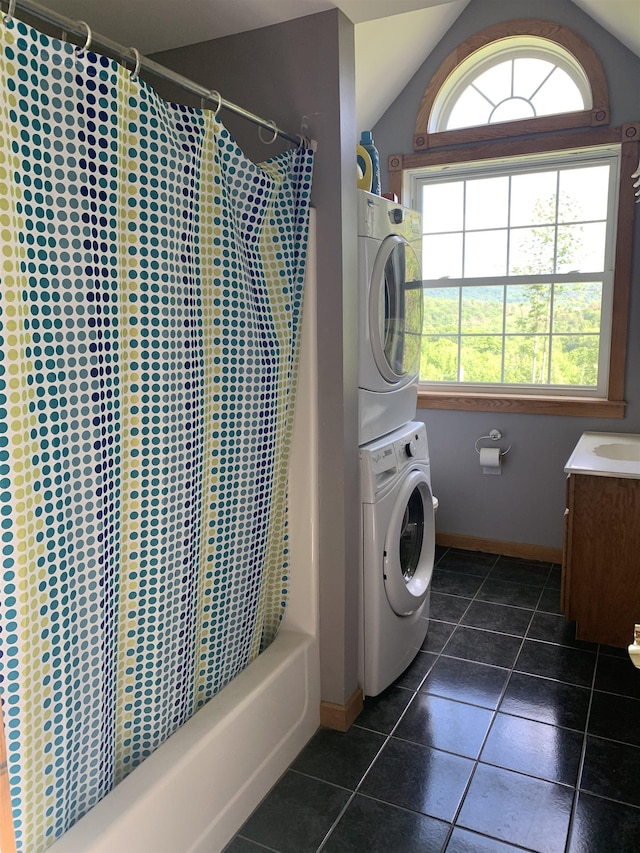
<point>382,460</point>
<point>412,445</point>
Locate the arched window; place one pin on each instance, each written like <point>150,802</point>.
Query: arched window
<point>515,78</point>
<point>527,232</point>
<point>519,77</point>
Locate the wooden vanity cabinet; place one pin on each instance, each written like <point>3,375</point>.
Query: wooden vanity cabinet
<point>601,558</point>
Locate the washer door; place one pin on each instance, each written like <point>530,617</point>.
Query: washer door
<point>410,545</point>
<point>395,310</point>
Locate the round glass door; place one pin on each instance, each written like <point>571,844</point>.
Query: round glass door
<point>410,545</point>
<point>411,536</point>
<point>395,310</point>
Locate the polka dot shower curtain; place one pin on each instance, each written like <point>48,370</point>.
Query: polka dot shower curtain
<point>150,298</point>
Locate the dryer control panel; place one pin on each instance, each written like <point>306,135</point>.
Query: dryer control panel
<point>378,218</point>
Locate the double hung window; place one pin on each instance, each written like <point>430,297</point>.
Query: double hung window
<point>518,259</point>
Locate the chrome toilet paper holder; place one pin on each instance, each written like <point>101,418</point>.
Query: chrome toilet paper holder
<point>494,435</point>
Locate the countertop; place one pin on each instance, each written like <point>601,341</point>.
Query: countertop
<point>606,454</point>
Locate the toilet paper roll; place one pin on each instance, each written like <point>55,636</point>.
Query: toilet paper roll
<point>490,458</point>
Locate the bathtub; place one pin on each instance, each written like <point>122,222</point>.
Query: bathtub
<point>195,791</point>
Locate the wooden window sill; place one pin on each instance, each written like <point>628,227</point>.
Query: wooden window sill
<point>584,407</point>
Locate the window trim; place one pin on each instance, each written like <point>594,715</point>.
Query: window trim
<point>627,136</point>
<point>553,32</point>
<point>530,164</point>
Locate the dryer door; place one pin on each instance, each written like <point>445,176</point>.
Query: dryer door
<point>410,545</point>
<point>395,310</point>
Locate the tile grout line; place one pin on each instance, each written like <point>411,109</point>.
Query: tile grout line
<point>583,753</point>
<point>339,817</point>
<point>257,844</point>
<point>356,790</point>
<point>453,822</point>
<point>477,762</point>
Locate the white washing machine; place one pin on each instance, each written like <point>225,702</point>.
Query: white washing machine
<point>398,539</point>
<point>389,314</point>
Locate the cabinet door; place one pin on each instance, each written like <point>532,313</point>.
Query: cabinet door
<point>565,597</point>
<point>604,558</point>
<point>565,586</point>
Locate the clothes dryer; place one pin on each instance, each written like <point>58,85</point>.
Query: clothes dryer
<point>389,314</point>
<point>398,546</point>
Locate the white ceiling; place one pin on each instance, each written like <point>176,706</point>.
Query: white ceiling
<point>392,37</point>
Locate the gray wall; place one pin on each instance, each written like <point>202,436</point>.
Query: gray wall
<point>301,75</point>
<point>526,503</point>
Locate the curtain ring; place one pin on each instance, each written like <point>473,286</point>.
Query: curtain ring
<point>10,12</point>
<point>304,141</point>
<point>85,47</point>
<point>209,96</point>
<point>136,70</point>
<point>275,132</point>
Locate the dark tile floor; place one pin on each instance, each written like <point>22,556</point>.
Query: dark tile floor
<point>505,734</point>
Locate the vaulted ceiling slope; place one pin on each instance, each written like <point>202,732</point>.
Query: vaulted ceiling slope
<point>393,37</point>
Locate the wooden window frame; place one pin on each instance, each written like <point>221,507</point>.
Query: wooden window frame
<point>566,131</point>
<point>628,137</point>
<point>598,115</point>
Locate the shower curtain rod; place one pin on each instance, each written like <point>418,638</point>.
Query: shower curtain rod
<point>142,63</point>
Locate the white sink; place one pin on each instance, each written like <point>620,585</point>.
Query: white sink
<point>606,454</point>
<point>624,452</point>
